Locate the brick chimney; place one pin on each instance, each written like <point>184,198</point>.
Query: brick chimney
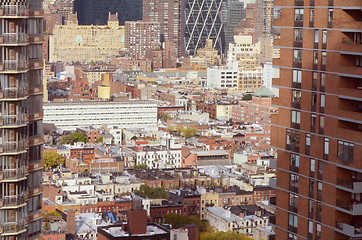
<point>137,221</point>
<point>71,222</point>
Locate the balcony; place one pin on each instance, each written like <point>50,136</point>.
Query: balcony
<point>352,209</point>
<point>13,93</point>
<point>349,45</point>
<point>14,227</point>
<point>346,229</point>
<point>273,163</point>
<point>14,174</point>
<point>294,169</point>
<point>13,147</point>
<point>349,186</point>
<point>273,182</point>
<point>298,43</point>
<point>13,39</point>
<point>292,147</point>
<point>13,66</point>
<point>13,11</point>
<point>15,200</point>
<point>14,120</point>
<point>273,201</point>
<point>298,23</point>
<point>272,220</point>
<point>297,64</point>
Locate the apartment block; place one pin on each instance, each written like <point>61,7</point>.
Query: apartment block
<point>318,130</point>
<point>21,127</point>
<point>141,36</point>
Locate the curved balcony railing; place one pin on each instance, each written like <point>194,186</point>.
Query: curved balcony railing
<point>14,227</point>
<point>13,38</point>
<point>16,146</point>
<point>13,174</point>
<point>14,200</point>
<point>13,10</point>
<point>14,65</point>
<point>13,92</point>
<point>15,120</point>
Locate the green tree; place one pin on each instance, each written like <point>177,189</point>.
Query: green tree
<point>99,140</point>
<point>140,167</point>
<point>134,138</point>
<point>229,235</point>
<point>177,221</point>
<point>165,116</point>
<point>75,137</point>
<point>52,160</point>
<point>189,132</point>
<point>247,97</point>
<point>147,192</point>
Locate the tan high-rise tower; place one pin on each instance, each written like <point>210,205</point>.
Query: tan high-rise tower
<point>21,132</point>
<point>318,130</point>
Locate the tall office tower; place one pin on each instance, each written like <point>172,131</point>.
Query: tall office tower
<point>235,14</point>
<point>96,11</point>
<point>65,7</point>
<point>264,12</point>
<point>201,20</point>
<point>318,130</point>
<point>168,14</point>
<point>21,132</point>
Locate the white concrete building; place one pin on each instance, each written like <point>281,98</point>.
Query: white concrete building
<point>130,114</point>
<point>156,157</point>
<point>224,220</point>
<point>220,77</point>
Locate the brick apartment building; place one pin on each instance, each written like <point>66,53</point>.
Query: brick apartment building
<point>318,130</point>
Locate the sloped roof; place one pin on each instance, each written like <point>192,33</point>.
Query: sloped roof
<point>264,92</point>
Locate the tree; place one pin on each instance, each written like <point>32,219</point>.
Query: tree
<point>99,140</point>
<point>75,137</point>
<point>189,132</point>
<point>52,160</point>
<point>165,116</point>
<point>247,97</point>
<point>140,167</point>
<point>134,138</point>
<point>177,221</point>
<point>229,235</point>
<point>147,192</point>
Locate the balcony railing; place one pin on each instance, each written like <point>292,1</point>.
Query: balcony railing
<point>273,182</point>
<point>15,200</point>
<point>13,10</point>
<point>18,146</point>
<point>14,227</point>
<point>273,201</point>
<point>13,174</point>
<point>355,187</point>
<point>299,2</point>
<point>14,65</point>
<point>349,230</point>
<point>15,120</point>
<point>13,92</point>
<point>352,208</point>
<point>272,220</point>
<point>13,38</point>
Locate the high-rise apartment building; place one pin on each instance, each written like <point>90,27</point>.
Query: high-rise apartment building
<point>168,14</point>
<point>141,36</point>
<point>318,130</point>
<point>96,11</point>
<point>264,11</point>
<point>21,133</point>
<point>202,20</point>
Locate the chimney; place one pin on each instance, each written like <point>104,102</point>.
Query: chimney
<point>71,222</point>
<point>137,218</point>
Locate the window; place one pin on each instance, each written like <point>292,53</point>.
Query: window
<point>330,17</point>
<point>313,122</point>
<point>297,76</point>
<point>315,57</point>
<point>35,179</point>
<point>321,124</point>
<point>35,203</point>
<point>319,230</point>
<point>323,81</point>
<point>298,13</point>
<point>294,182</point>
<point>345,151</point>
<point>310,227</point>
<point>293,200</point>
<point>295,117</point>
<point>316,36</point>
<point>326,147</point>
<point>298,37</point>
<point>307,144</point>
<point>320,167</point>
<point>292,236</point>
<point>311,207</point>
<point>311,15</point>
<point>293,220</point>
<point>294,162</point>
<point>296,98</point>
<point>311,188</point>
<point>297,55</point>
<point>293,138</point>
<point>324,37</point>
<point>314,81</point>
<point>324,60</point>
<point>312,165</point>
<point>314,101</point>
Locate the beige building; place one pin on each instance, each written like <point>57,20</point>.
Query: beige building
<point>206,57</point>
<point>73,42</point>
<point>209,199</point>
